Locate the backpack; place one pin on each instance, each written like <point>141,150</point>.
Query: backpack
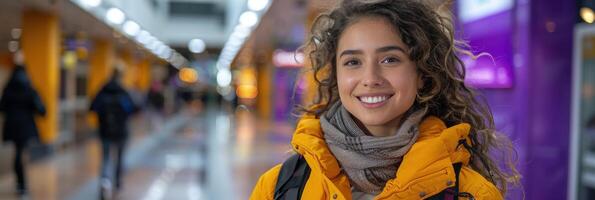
<point>295,172</point>
<point>113,117</point>
<point>292,178</point>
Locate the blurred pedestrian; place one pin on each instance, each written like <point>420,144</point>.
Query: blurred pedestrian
<point>113,106</point>
<point>155,96</point>
<point>591,122</point>
<point>19,103</point>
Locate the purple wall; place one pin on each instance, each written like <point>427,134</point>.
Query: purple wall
<point>284,97</point>
<point>535,111</point>
<point>549,83</point>
<point>493,35</point>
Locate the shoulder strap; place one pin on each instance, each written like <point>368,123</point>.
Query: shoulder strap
<point>292,178</point>
<point>457,167</point>
<point>451,193</point>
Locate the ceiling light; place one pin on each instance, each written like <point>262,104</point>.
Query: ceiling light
<point>257,5</point>
<point>131,28</point>
<point>248,18</point>
<point>224,78</point>
<point>143,37</point>
<point>115,16</point>
<point>13,46</point>
<point>165,52</point>
<point>196,46</point>
<point>91,3</point>
<point>587,14</point>
<point>149,42</point>
<point>154,46</point>
<point>188,75</point>
<point>16,33</point>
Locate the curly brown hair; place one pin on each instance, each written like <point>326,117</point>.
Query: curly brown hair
<point>432,46</point>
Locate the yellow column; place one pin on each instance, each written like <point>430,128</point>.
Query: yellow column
<point>129,74</point>
<point>310,89</point>
<point>264,83</point>
<point>6,67</point>
<point>101,65</point>
<point>143,81</point>
<point>41,47</point>
<point>6,61</point>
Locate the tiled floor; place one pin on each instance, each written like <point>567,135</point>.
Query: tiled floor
<point>210,155</point>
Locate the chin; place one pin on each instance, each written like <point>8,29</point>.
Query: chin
<point>373,120</point>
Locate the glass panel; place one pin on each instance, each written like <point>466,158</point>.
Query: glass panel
<point>586,117</point>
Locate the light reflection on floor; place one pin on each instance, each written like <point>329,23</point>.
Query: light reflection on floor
<point>212,155</point>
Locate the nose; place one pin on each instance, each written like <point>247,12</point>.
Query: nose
<point>373,77</point>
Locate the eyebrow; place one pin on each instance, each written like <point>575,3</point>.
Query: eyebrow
<point>379,50</point>
<point>390,48</point>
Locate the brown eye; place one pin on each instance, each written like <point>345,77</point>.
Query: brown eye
<point>351,63</point>
<point>390,60</point>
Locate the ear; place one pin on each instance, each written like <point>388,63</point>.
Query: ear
<point>420,81</point>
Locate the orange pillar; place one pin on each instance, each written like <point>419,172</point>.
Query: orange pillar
<point>143,81</point>
<point>129,74</point>
<point>6,61</point>
<point>5,69</point>
<point>264,83</point>
<point>101,65</point>
<point>41,47</point>
<point>310,90</point>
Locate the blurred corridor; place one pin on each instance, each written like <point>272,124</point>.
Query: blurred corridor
<point>187,156</point>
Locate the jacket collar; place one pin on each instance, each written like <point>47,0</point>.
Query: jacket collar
<point>308,139</point>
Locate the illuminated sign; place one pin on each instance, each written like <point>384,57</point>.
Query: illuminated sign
<point>487,72</point>
<point>283,58</point>
<point>471,10</point>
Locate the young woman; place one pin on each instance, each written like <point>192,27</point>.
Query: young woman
<point>394,119</point>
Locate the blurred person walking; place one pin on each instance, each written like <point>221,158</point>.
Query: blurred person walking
<point>19,103</point>
<point>113,106</point>
<point>155,97</point>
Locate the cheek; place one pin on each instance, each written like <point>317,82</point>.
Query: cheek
<point>407,86</point>
<point>345,83</point>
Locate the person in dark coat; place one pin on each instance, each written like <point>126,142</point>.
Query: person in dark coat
<point>19,103</point>
<point>113,106</point>
<point>155,96</point>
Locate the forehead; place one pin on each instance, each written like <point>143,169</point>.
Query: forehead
<point>370,32</point>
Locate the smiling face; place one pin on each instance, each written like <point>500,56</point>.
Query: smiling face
<point>377,81</point>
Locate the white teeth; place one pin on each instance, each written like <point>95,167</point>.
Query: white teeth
<point>376,99</point>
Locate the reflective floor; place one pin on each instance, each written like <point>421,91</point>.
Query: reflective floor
<point>206,155</point>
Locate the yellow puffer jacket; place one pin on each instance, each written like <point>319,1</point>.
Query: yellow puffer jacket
<point>425,171</point>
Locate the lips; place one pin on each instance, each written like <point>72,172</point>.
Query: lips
<point>374,99</point>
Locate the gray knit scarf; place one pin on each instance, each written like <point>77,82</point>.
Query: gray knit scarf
<point>368,161</point>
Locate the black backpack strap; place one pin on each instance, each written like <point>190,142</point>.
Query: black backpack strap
<point>450,193</point>
<point>457,167</point>
<point>292,178</point>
